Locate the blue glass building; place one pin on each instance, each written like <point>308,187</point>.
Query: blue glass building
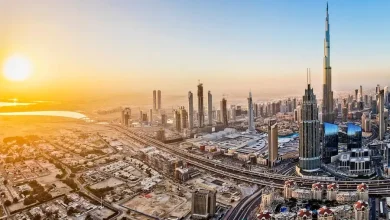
<point>354,133</point>
<point>330,142</point>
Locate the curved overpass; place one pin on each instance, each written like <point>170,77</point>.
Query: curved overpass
<point>378,187</point>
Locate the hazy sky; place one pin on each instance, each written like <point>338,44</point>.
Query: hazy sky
<point>231,46</point>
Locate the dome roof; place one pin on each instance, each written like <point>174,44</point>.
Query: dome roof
<point>359,205</point>
<point>289,183</point>
<point>332,186</point>
<point>362,187</point>
<point>304,212</point>
<point>316,186</point>
<point>325,211</point>
<point>264,215</point>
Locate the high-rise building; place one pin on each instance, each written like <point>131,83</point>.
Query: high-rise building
<point>183,118</point>
<point>154,100</point>
<point>233,109</point>
<point>224,112</point>
<point>272,142</point>
<point>203,204</point>
<point>191,110</point>
<point>159,99</point>
<point>309,133</point>
<point>126,115</point>
<point>177,120</point>
<point>163,119</point>
<point>381,116</point>
<point>327,98</point>
<point>151,116</point>
<point>141,115</point>
<point>361,93</point>
<point>330,142</point>
<point>354,133</point>
<point>210,107</point>
<point>200,106</point>
<point>356,94</point>
<point>366,122</point>
<point>386,94</point>
<point>251,122</point>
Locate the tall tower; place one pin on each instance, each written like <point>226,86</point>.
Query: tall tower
<point>200,105</point>
<point>191,110</point>
<point>361,93</point>
<point>327,99</point>
<point>272,142</point>
<point>154,100</point>
<point>381,122</point>
<point>309,133</point>
<point>224,112</point>
<point>251,123</point>
<point>159,99</point>
<point>210,108</point>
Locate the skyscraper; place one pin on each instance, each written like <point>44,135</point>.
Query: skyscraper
<point>191,110</point>
<point>154,100</point>
<point>327,99</point>
<point>309,133</point>
<point>361,93</point>
<point>386,93</point>
<point>381,119</point>
<point>177,120</point>
<point>203,204</point>
<point>200,106</point>
<point>330,142</point>
<point>159,99</point>
<point>251,123</point>
<point>183,118</point>
<point>224,112</point>
<point>272,142</point>
<point>210,108</point>
<point>151,116</point>
<point>126,115</point>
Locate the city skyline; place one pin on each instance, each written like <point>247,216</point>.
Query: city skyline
<point>260,47</point>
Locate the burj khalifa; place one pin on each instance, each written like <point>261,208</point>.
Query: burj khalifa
<point>327,98</point>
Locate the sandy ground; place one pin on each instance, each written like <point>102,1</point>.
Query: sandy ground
<point>157,205</point>
<point>110,182</point>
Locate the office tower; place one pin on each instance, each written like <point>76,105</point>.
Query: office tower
<point>144,117</point>
<point>233,109</point>
<point>183,118</point>
<point>126,115</point>
<point>354,134</point>
<point>366,122</point>
<point>200,106</point>
<point>210,107</point>
<point>151,116</point>
<point>381,118</point>
<point>140,115</point>
<point>330,143</point>
<point>366,100</point>
<point>361,93</point>
<point>294,103</point>
<point>159,99</point>
<point>386,94</point>
<point>251,122</point>
<point>356,94</point>
<point>219,115</point>
<point>309,133</point>
<point>255,110</point>
<point>377,89</point>
<point>224,112</point>
<point>374,107</point>
<point>327,98</point>
<point>177,120</point>
<point>191,110</point>
<point>154,100</point>
<point>203,204</point>
<point>298,114</point>
<point>272,142</point>
<point>163,119</point>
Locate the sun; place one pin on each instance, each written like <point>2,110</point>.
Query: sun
<point>17,68</point>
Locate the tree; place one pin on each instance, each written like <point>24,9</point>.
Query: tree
<point>15,200</point>
<point>7,203</point>
<point>5,182</point>
<point>72,175</point>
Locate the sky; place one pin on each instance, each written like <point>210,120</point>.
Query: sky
<point>120,46</point>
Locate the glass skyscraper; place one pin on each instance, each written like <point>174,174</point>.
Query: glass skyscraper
<point>354,133</point>
<point>330,143</point>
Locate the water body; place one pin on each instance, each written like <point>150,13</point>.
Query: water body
<point>5,104</point>
<point>66,114</point>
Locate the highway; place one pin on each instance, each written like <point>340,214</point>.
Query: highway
<point>244,208</point>
<point>377,187</point>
